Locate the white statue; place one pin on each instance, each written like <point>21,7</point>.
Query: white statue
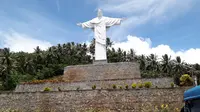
<point>99,25</point>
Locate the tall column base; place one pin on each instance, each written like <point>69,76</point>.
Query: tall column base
<point>99,62</point>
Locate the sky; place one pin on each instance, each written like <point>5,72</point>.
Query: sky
<point>151,26</point>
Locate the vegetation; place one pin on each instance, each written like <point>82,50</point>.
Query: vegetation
<point>172,85</point>
<point>94,87</point>
<point>126,86</point>
<point>147,84</point>
<point>140,85</point>
<point>114,86</point>
<point>59,89</point>
<point>120,87</point>
<point>47,89</point>
<point>16,67</point>
<point>134,85</point>
<point>78,88</point>
<point>186,80</point>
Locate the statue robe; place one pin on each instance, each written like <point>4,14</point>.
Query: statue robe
<point>99,27</point>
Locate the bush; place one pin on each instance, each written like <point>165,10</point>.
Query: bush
<point>134,85</point>
<point>126,86</point>
<point>59,89</point>
<point>140,85</point>
<point>114,86</point>
<point>47,89</point>
<point>147,84</point>
<point>172,85</point>
<point>10,81</point>
<point>120,87</point>
<point>78,88</point>
<point>94,87</point>
<point>186,80</point>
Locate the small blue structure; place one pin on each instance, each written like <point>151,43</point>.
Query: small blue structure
<point>192,100</point>
<point>193,93</point>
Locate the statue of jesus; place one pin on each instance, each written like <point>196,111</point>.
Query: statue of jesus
<point>99,25</point>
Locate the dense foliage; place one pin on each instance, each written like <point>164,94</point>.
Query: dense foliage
<point>18,67</point>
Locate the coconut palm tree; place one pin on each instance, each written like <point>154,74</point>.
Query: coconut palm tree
<point>143,62</point>
<point>166,65</point>
<point>152,63</point>
<point>178,66</point>
<point>7,68</point>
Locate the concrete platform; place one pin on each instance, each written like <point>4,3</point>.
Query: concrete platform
<point>102,71</point>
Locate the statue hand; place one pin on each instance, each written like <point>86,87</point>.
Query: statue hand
<point>79,24</point>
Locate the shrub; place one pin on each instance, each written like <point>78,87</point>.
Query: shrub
<point>94,87</point>
<point>114,86</point>
<point>78,88</point>
<point>147,84</point>
<point>164,108</point>
<point>120,87</point>
<point>134,85</point>
<point>172,85</point>
<point>186,80</point>
<point>47,89</point>
<point>140,85</point>
<point>126,86</point>
<point>59,89</point>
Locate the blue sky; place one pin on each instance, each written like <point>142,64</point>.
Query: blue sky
<point>174,24</point>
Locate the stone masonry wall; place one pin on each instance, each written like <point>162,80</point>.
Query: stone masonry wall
<point>105,84</point>
<point>123,70</point>
<point>79,101</point>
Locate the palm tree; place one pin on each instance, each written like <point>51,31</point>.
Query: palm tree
<point>131,55</point>
<point>7,67</point>
<point>124,56</point>
<point>178,66</point>
<point>109,43</point>
<point>197,72</point>
<point>92,47</point>
<point>166,64</point>
<point>37,50</point>
<point>179,69</point>
<point>21,62</point>
<point>119,55</point>
<point>142,61</point>
<point>152,63</point>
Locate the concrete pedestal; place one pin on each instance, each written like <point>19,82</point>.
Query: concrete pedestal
<point>102,71</point>
<point>95,62</point>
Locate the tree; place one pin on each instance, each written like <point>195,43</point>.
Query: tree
<point>130,55</point>
<point>109,43</point>
<point>166,64</point>
<point>7,69</point>
<point>44,64</point>
<point>152,63</point>
<point>142,61</point>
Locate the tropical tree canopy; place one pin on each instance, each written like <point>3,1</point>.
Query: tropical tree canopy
<point>18,67</point>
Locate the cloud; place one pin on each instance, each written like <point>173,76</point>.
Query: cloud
<point>144,46</point>
<point>139,12</point>
<point>21,42</point>
<point>32,19</point>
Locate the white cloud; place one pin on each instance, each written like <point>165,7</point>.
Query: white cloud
<point>21,42</point>
<point>143,46</point>
<point>139,12</point>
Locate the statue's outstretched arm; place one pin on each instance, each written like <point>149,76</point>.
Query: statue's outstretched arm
<point>79,24</point>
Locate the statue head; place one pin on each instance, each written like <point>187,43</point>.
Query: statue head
<point>99,13</point>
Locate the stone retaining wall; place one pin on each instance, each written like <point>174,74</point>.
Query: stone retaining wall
<point>105,84</point>
<point>138,100</point>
